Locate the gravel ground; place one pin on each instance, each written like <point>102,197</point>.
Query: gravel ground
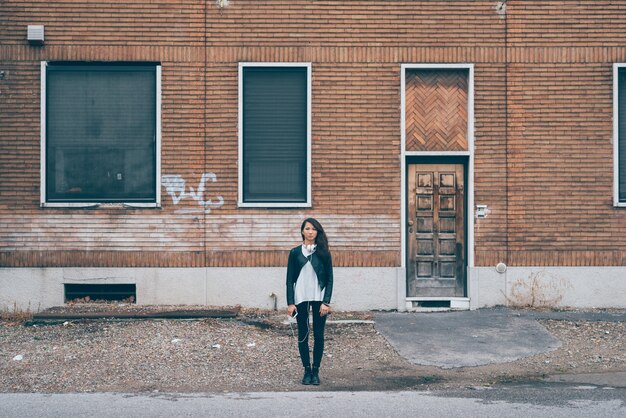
<point>257,352</point>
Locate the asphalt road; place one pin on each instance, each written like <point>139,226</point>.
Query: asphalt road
<point>532,400</point>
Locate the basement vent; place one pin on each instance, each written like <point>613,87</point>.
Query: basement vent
<point>104,292</point>
<point>431,304</point>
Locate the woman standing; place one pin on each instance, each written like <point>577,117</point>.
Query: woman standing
<point>310,287</point>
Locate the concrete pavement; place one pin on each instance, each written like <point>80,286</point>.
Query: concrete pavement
<point>475,338</point>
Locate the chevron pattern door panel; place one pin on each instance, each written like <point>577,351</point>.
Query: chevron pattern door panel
<point>436,109</point>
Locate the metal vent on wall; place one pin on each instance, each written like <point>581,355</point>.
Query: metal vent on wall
<point>105,292</point>
<point>35,34</point>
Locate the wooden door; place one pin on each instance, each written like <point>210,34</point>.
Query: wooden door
<point>436,231</point>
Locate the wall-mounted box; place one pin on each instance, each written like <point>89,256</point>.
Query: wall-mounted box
<point>481,211</point>
<point>35,34</point>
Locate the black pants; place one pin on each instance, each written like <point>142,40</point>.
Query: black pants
<point>319,322</point>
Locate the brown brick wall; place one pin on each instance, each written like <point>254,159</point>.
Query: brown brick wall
<point>98,23</point>
<point>355,23</point>
<point>585,23</point>
<point>560,164</point>
<point>543,157</point>
<point>490,161</point>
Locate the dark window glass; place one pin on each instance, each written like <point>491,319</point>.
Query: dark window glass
<point>622,134</point>
<point>274,134</point>
<point>101,133</point>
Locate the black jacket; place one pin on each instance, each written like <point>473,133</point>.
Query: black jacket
<point>324,272</point>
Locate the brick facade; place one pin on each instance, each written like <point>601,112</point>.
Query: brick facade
<point>543,127</point>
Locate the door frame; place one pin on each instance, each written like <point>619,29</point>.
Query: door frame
<point>440,160</point>
<point>407,157</point>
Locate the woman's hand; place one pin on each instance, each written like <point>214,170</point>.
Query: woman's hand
<point>324,309</point>
<point>291,309</point>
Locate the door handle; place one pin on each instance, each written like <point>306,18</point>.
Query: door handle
<point>410,223</point>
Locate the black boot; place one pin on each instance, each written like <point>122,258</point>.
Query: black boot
<point>306,379</point>
<point>315,376</point>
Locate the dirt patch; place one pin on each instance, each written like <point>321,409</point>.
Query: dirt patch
<point>239,354</point>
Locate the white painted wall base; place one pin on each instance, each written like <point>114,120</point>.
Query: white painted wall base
<point>35,289</point>
<point>549,287</point>
<point>364,288</point>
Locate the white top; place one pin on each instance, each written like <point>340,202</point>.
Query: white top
<point>307,286</point>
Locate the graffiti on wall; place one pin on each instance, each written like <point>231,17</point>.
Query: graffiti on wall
<point>177,189</point>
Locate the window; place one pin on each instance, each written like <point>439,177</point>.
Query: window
<point>274,135</point>
<point>619,134</point>
<point>100,133</point>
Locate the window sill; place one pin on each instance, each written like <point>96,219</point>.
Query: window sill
<point>89,205</point>
<point>274,205</point>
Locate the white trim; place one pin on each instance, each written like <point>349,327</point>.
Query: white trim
<point>454,306</point>
<point>240,135</point>
<point>240,202</point>
<point>437,66</point>
<point>456,303</point>
<point>436,153</point>
<point>615,138</point>
<point>469,153</point>
<point>87,205</point>
<point>73,205</point>
<point>77,205</point>
<point>42,151</point>
<point>403,195</point>
<point>470,173</point>
<point>274,205</point>
<point>437,298</point>
<point>158,142</point>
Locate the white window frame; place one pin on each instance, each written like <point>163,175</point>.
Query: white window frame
<point>240,202</point>
<point>616,67</point>
<point>44,203</point>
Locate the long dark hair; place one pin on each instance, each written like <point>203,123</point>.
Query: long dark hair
<point>321,240</point>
